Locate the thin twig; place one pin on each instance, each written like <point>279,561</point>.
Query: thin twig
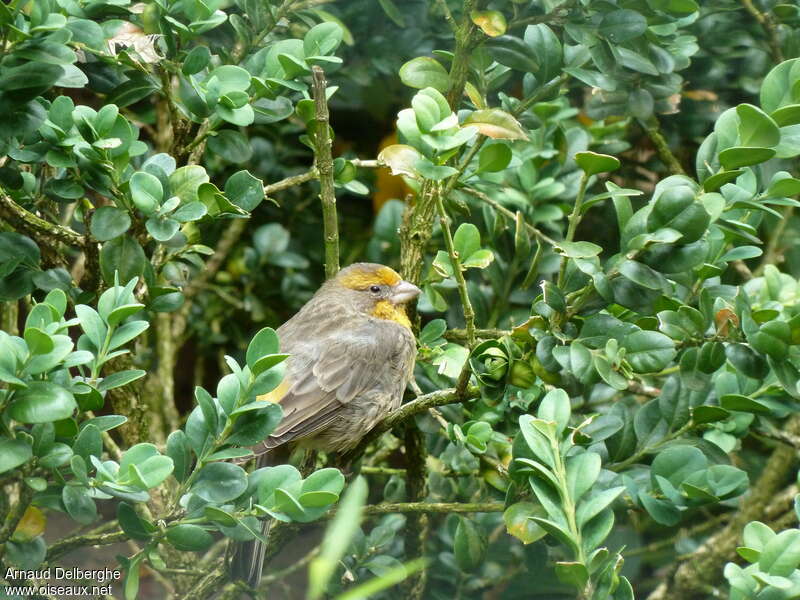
<point>769,28</point>
<point>773,252</point>
<point>502,209</point>
<point>572,226</point>
<point>433,507</point>
<point>415,407</point>
<point>542,92</point>
<point>667,157</point>
<point>458,272</point>
<point>324,165</point>
<point>365,163</point>
<point>290,182</point>
<point>112,447</point>
<point>460,335</point>
<point>67,545</point>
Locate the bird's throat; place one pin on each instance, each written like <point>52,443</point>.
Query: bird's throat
<point>386,310</point>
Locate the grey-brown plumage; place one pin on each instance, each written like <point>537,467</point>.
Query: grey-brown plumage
<point>351,356</point>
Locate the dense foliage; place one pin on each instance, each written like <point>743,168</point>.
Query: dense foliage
<point>596,197</point>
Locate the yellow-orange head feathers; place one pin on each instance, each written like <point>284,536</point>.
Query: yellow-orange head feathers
<point>360,276</point>
<point>379,290</point>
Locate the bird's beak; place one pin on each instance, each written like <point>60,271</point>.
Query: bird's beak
<point>404,292</point>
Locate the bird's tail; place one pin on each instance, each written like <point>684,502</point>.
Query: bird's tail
<point>247,561</point>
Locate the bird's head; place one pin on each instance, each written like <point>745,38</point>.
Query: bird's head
<point>376,290</point>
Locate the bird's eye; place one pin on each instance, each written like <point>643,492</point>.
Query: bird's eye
<point>374,289</point>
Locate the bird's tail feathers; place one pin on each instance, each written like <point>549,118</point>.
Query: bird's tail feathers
<point>247,561</point>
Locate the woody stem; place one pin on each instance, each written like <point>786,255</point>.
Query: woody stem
<point>324,165</point>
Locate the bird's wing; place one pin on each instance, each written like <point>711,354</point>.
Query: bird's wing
<point>324,375</point>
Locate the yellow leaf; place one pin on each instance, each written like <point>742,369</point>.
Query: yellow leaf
<point>30,526</point>
<point>491,22</point>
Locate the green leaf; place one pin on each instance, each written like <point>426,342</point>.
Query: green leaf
<point>136,454</point>
<point>741,253</point>
<point>127,332</point>
<point>772,339</point>
<point>152,471</point>
<point>38,341</point>
<point>582,473</point>
<point>676,208</point>
<point>469,545</point>
<point>228,78</point>
<point>741,156</point>
<point>478,260</point>
<point>325,480</point>
<point>220,482</point>
<point>777,89</point>
<point>122,255</point>
<point>132,524</point>
<point>263,343</point>
<point>119,379</point>
<point>244,190</point>
<point>622,25</point>
<point>555,406</point>
<point>120,313</point>
<point>757,535</point>
<point>593,505</point>
<point>513,52</point>
<point>578,249</point>
<point>337,538</point>
<point>146,192</point>
<point>178,450</point>
<point>675,6</point>
<point>467,240</point>
<point>649,351</point>
<point>41,402</point>
<point>546,50</point>
<point>188,537</point>
<point>572,573</point>
<point>13,453</point>
<point>494,158</point>
<point>186,181</point>
<point>422,72</point>
<point>517,518</point>
<point>196,60</point>
<point>322,39</point>
<point>231,145</point>
<point>162,229</point>
<point>92,325</point>
<point>426,112</point>
<point>255,427</point>
<point>781,554</point>
<point>635,61</point>
<point>786,115</point>
<point>756,128</point>
<point>89,442</point>
<point>391,10</point>
<point>742,403</point>
<point>642,275</point>
<point>79,504</point>
<point>109,222</point>
<point>593,163</point>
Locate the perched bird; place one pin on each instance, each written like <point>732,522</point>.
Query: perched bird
<point>351,355</point>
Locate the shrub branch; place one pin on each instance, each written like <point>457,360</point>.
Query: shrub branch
<point>42,231</point>
<point>324,165</point>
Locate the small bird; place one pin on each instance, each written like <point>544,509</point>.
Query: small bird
<point>351,356</point>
